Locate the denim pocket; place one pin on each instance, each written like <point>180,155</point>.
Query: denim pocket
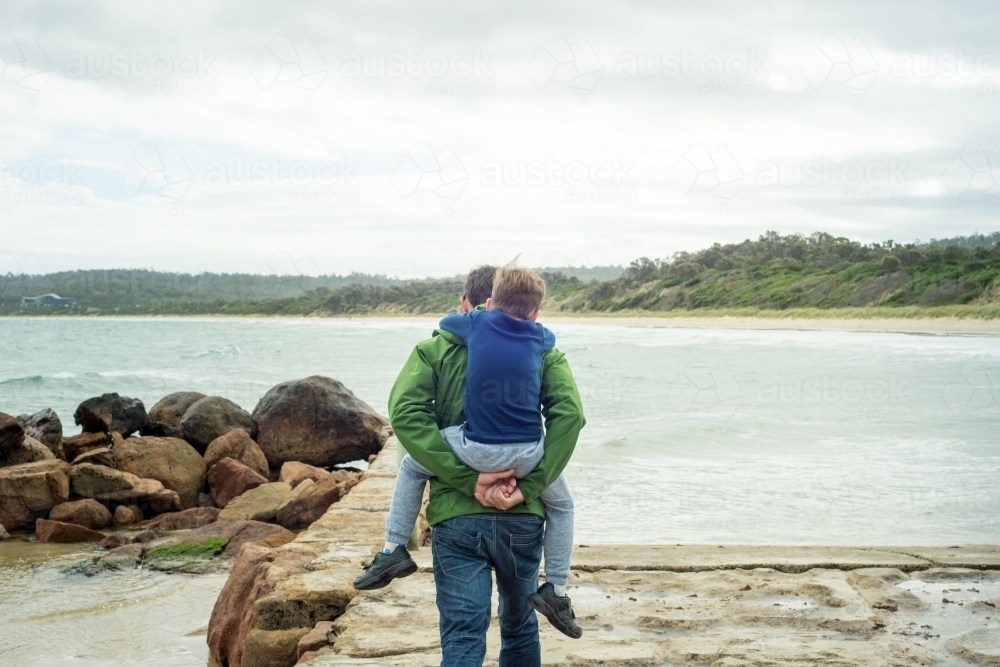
<point>459,555</point>
<point>527,552</point>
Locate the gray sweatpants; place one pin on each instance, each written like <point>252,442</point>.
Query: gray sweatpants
<point>522,458</point>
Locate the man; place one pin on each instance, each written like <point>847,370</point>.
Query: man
<point>477,529</point>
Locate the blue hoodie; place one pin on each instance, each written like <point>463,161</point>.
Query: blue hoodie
<point>503,376</point>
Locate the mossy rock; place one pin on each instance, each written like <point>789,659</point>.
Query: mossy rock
<point>182,557</point>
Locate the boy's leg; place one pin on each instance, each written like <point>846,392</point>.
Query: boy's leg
<point>407,496</point>
<point>559,512</point>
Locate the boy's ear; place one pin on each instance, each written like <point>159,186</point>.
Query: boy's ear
<point>489,303</point>
<point>534,316</point>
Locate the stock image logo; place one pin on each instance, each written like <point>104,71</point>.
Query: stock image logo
<point>975,170</point>
<point>599,182</point>
<point>283,61</point>
<point>706,388</point>
<point>462,74</point>
<point>701,170</point>
<point>835,62</point>
<point>734,73</point>
<point>871,182</point>
<point>23,64</point>
<point>559,62</point>
<point>149,171</point>
<point>45,182</point>
<point>440,173</point>
<point>324,182</point>
<point>185,74</point>
<point>975,388</point>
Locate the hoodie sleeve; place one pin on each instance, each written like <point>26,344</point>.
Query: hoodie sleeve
<point>458,324</point>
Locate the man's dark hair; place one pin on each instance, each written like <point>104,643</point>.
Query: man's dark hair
<point>479,284</point>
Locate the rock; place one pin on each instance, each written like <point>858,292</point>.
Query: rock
<point>157,430</point>
<point>125,516</point>
<point>11,432</point>
<point>28,451</point>
<point>99,457</point>
<point>308,502</point>
<point>169,409</point>
<point>101,483</point>
<point>232,616</point>
<point>45,427</point>
<point>315,639</point>
<point>229,479</point>
<point>144,536</point>
<point>272,648</point>
<point>237,445</point>
<point>75,445</point>
<point>87,513</point>
<point>981,646</point>
<point>212,416</point>
<point>294,472</point>
<point>317,420</point>
<point>111,412</point>
<point>171,461</point>
<point>307,656</point>
<point>257,504</point>
<point>4,535</point>
<point>239,533</point>
<point>125,557</point>
<point>29,490</point>
<point>196,517</point>
<point>57,531</point>
<point>114,540</point>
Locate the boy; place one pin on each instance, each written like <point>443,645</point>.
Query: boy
<point>503,431</point>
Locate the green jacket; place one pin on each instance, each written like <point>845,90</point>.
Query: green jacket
<point>429,395</point>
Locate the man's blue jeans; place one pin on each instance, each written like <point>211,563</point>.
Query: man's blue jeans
<point>466,549</point>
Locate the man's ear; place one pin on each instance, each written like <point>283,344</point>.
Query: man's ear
<point>489,303</point>
<point>534,316</point>
<point>466,306</point>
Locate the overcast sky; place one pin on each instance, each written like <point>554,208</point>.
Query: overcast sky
<point>419,139</point>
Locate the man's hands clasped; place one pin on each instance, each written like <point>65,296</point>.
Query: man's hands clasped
<point>498,490</point>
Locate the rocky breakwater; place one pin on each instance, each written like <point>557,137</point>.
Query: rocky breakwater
<point>197,469</point>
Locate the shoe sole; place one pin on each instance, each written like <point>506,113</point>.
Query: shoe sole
<point>400,571</point>
<point>539,604</point>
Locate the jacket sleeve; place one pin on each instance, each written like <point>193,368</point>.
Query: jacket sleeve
<point>411,413</point>
<point>563,412</point>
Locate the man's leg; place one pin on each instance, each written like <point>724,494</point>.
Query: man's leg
<point>558,503</point>
<point>462,578</point>
<point>406,498</point>
<point>517,555</point>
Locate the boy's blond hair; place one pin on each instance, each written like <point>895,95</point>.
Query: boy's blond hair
<point>517,292</point>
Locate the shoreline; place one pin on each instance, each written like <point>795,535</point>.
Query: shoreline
<point>929,325</point>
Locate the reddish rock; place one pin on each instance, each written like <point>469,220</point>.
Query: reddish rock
<point>315,639</point>
<point>126,515</point>
<point>232,616</point>
<point>170,461</point>
<point>308,502</point>
<point>306,657</point>
<point>75,445</point>
<point>319,421</point>
<point>230,479</point>
<point>116,486</point>
<point>87,513</point>
<point>196,517</point>
<point>144,536</point>
<point>57,531</point>
<point>169,409</point>
<point>237,444</point>
<point>114,541</point>
<point>258,504</point>
<point>212,416</point>
<point>102,456</point>
<point>29,490</point>
<point>294,472</point>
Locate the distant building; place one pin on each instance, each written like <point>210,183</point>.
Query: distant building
<point>47,300</point>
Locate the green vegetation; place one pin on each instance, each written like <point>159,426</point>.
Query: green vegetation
<point>184,556</point>
<point>774,276</point>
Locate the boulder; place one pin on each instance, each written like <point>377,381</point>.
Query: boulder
<point>293,472</point>
<point>4,535</point>
<point>272,648</point>
<point>238,445</point>
<point>258,504</point>
<point>144,536</point>
<point>75,445</point>
<point>229,478</point>
<point>57,531</point>
<point>232,616</point>
<point>114,540</point>
<point>11,432</point>
<point>196,517</point>
<point>93,481</point>
<point>316,638</point>
<point>126,515</point>
<point>212,416</point>
<point>169,409</point>
<point>238,533</point>
<point>45,427</point>
<point>101,456</point>
<point>87,513</point>
<point>29,490</point>
<point>308,502</point>
<point>28,451</point>
<point>124,557</point>
<point>171,461</point>
<point>111,412</point>
<point>317,421</point>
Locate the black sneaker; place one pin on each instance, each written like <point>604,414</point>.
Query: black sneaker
<point>559,610</point>
<point>384,568</point>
